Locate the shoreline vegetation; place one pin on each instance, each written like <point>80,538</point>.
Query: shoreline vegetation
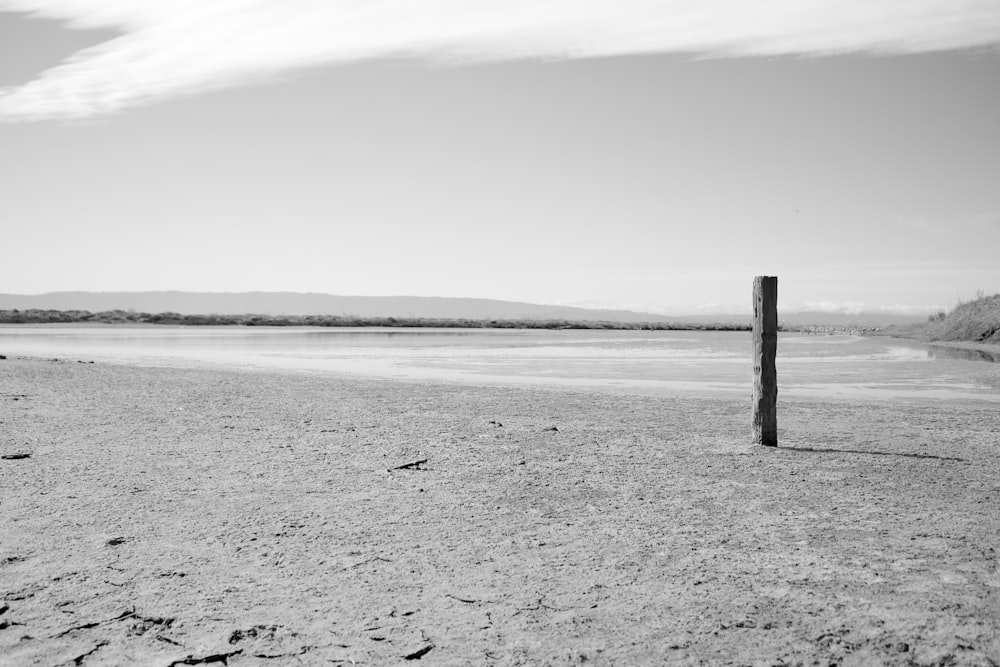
<point>41,316</point>
<point>970,322</point>
<point>38,316</point>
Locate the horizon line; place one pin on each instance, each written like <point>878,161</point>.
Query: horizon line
<point>847,308</point>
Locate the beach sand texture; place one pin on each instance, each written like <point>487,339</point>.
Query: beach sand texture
<point>171,516</point>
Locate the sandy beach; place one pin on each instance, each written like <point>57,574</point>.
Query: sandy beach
<point>163,517</point>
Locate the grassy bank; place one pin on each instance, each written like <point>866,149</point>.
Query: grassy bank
<point>976,321</point>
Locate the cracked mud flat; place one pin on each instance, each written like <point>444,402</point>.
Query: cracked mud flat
<point>182,517</point>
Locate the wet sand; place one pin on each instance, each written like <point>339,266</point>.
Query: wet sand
<point>171,516</point>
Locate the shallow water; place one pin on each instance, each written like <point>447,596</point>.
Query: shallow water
<point>633,361</point>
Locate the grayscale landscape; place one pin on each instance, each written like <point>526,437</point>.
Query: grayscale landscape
<point>561,332</point>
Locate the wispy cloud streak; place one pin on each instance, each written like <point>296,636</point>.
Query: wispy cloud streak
<point>175,47</point>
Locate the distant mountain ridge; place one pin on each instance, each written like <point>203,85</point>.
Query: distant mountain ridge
<point>306,303</point>
<point>299,303</point>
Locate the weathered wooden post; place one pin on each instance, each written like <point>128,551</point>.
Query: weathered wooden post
<point>765,345</point>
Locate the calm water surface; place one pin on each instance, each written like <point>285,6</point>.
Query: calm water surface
<point>637,361</point>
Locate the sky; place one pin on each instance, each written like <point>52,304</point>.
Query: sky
<point>640,154</point>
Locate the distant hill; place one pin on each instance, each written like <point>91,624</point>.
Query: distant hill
<point>299,303</point>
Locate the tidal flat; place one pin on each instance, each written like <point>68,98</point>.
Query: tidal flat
<point>170,516</point>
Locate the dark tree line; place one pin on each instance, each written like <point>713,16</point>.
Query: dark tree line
<point>36,316</point>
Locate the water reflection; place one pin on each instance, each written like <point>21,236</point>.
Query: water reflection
<point>849,367</point>
<point>962,353</point>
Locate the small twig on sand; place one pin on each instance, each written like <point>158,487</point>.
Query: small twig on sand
<point>455,597</point>
<point>539,605</point>
<point>371,560</point>
<point>94,624</point>
<point>415,465</point>
<point>216,657</point>
<point>419,653</point>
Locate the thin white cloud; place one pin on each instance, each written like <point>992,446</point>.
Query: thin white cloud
<point>175,47</point>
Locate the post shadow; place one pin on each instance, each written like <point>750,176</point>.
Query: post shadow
<point>870,452</point>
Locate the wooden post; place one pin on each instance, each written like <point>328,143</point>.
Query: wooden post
<point>765,345</point>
